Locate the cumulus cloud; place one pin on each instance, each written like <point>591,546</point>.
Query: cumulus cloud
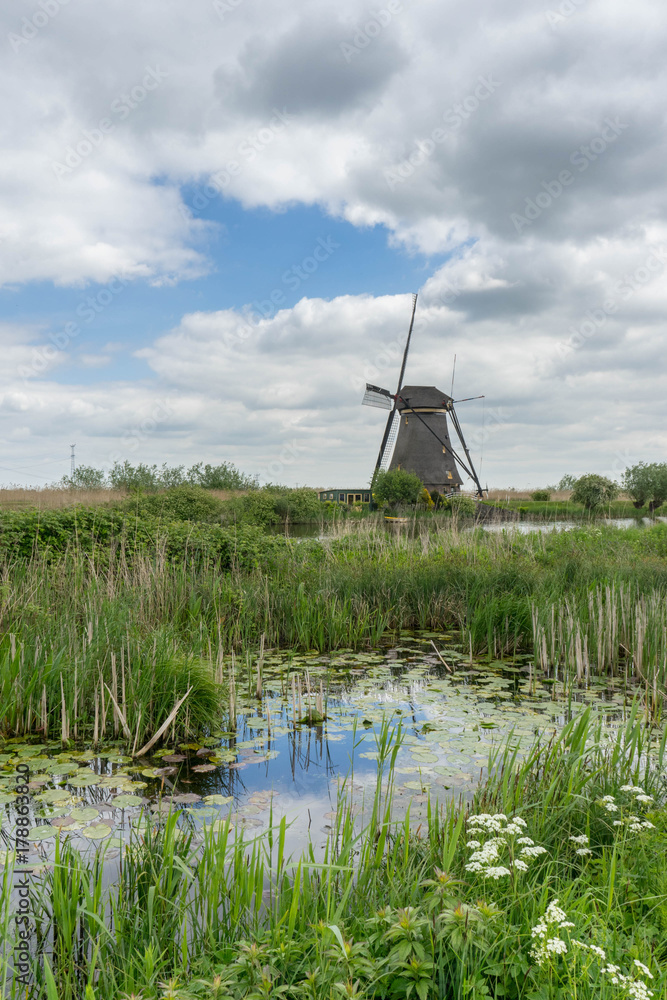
<point>526,142</point>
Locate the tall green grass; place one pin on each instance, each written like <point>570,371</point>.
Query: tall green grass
<point>589,602</point>
<point>384,910</point>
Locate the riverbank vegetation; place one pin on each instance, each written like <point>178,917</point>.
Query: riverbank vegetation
<point>148,609</point>
<point>551,883</point>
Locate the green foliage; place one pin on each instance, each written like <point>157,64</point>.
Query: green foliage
<point>396,487</point>
<point>85,477</point>
<point>567,482</point>
<point>181,503</point>
<point>460,505</point>
<point>273,505</point>
<point>543,495</point>
<point>594,491</point>
<point>220,477</point>
<point>149,478</point>
<point>646,484</point>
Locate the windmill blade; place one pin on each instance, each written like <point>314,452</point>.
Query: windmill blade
<point>391,440</point>
<point>474,476</point>
<point>375,396</point>
<point>390,419</point>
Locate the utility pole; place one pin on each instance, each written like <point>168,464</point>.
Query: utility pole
<point>72,462</point>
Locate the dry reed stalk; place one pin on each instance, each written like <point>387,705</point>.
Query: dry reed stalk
<point>164,727</point>
<point>114,694</point>
<point>123,721</point>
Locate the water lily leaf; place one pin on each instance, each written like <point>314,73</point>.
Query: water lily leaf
<point>426,758</point>
<point>55,795</point>
<point>172,758</point>
<point>85,814</point>
<point>84,780</point>
<point>201,768</point>
<point>187,797</point>
<point>44,832</point>
<point>96,831</point>
<point>126,801</point>
<point>218,800</point>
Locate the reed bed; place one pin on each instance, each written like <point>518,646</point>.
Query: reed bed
<point>383,909</point>
<point>76,630</point>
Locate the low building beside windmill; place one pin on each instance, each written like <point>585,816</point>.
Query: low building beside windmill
<point>346,495</point>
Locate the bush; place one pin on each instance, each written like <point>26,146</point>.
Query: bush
<point>460,505</point>
<point>85,477</point>
<point>220,477</point>
<point>273,505</point>
<point>567,483</point>
<point>646,484</point>
<point>543,495</point>
<point>396,487</point>
<point>182,503</point>
<point>594,491</point>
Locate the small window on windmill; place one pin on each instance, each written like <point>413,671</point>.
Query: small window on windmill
<point>341,496</point>
<point>444,450</point>
<point>331,496</point>
<point>449,475</point>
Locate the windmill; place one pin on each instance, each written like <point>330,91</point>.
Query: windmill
<point>416,437</point>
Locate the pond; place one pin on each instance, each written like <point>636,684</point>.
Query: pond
<point>275,762</point>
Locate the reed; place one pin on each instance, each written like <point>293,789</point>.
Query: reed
<point>383,905</point>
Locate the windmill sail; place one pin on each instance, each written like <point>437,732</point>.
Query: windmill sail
<point>391,441</point>
<point>375,396</point>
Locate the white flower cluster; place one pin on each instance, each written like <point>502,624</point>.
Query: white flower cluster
<point>634,988</point>
<point>487,853</point>
<point>607,801</point>
<point>635,823</point>
<point>545,933</point>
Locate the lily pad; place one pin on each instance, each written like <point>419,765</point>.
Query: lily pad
<point>44,832</point>
<point>125,801</point>
<point>96,831</point>
<point>85,814</point>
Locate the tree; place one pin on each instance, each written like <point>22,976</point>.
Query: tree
<point>220,477</point>
<point>396,487</point>
<point>567,482</point>
<point>594,491</point>
<point>646,484</point>
<point>84,477</point>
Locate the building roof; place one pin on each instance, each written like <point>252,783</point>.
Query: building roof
<point>423,395</point>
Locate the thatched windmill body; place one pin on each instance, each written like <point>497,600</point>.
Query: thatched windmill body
<point>416,437</point>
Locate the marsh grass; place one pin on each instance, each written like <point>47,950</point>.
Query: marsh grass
<point>589,602</point>
<point>383,909</point>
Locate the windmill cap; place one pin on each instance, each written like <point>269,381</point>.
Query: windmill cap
<point>422,396</point>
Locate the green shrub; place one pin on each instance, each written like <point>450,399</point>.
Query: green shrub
<point>273,505</point>
<point>182,503</point>
<point>594,491</point>
<point>396,486</point>
<point>646,484</point>
<point>460,505</point>
<point>543,495</point>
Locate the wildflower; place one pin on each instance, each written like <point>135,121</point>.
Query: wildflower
<point>473,843</point>
<point>607,798</point>
<point>526,840</point>
<point>512,828</point>
<point>497,873</point>
<point>556,946</point>
<point>554,913</point>
<point>635,827</point>
<point>533,852</point>
<point>648,826</point>
<point>597,951</point>
<point>581,839</point>
<point>619,822</point>
<point>635,789</point>
<point>500,816</point>
<point>519,822</point>
<point>583,851</point>
<point>520,865</point>
<point>611,807</point>
<point>644,799</point>
<point>643,968</point>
